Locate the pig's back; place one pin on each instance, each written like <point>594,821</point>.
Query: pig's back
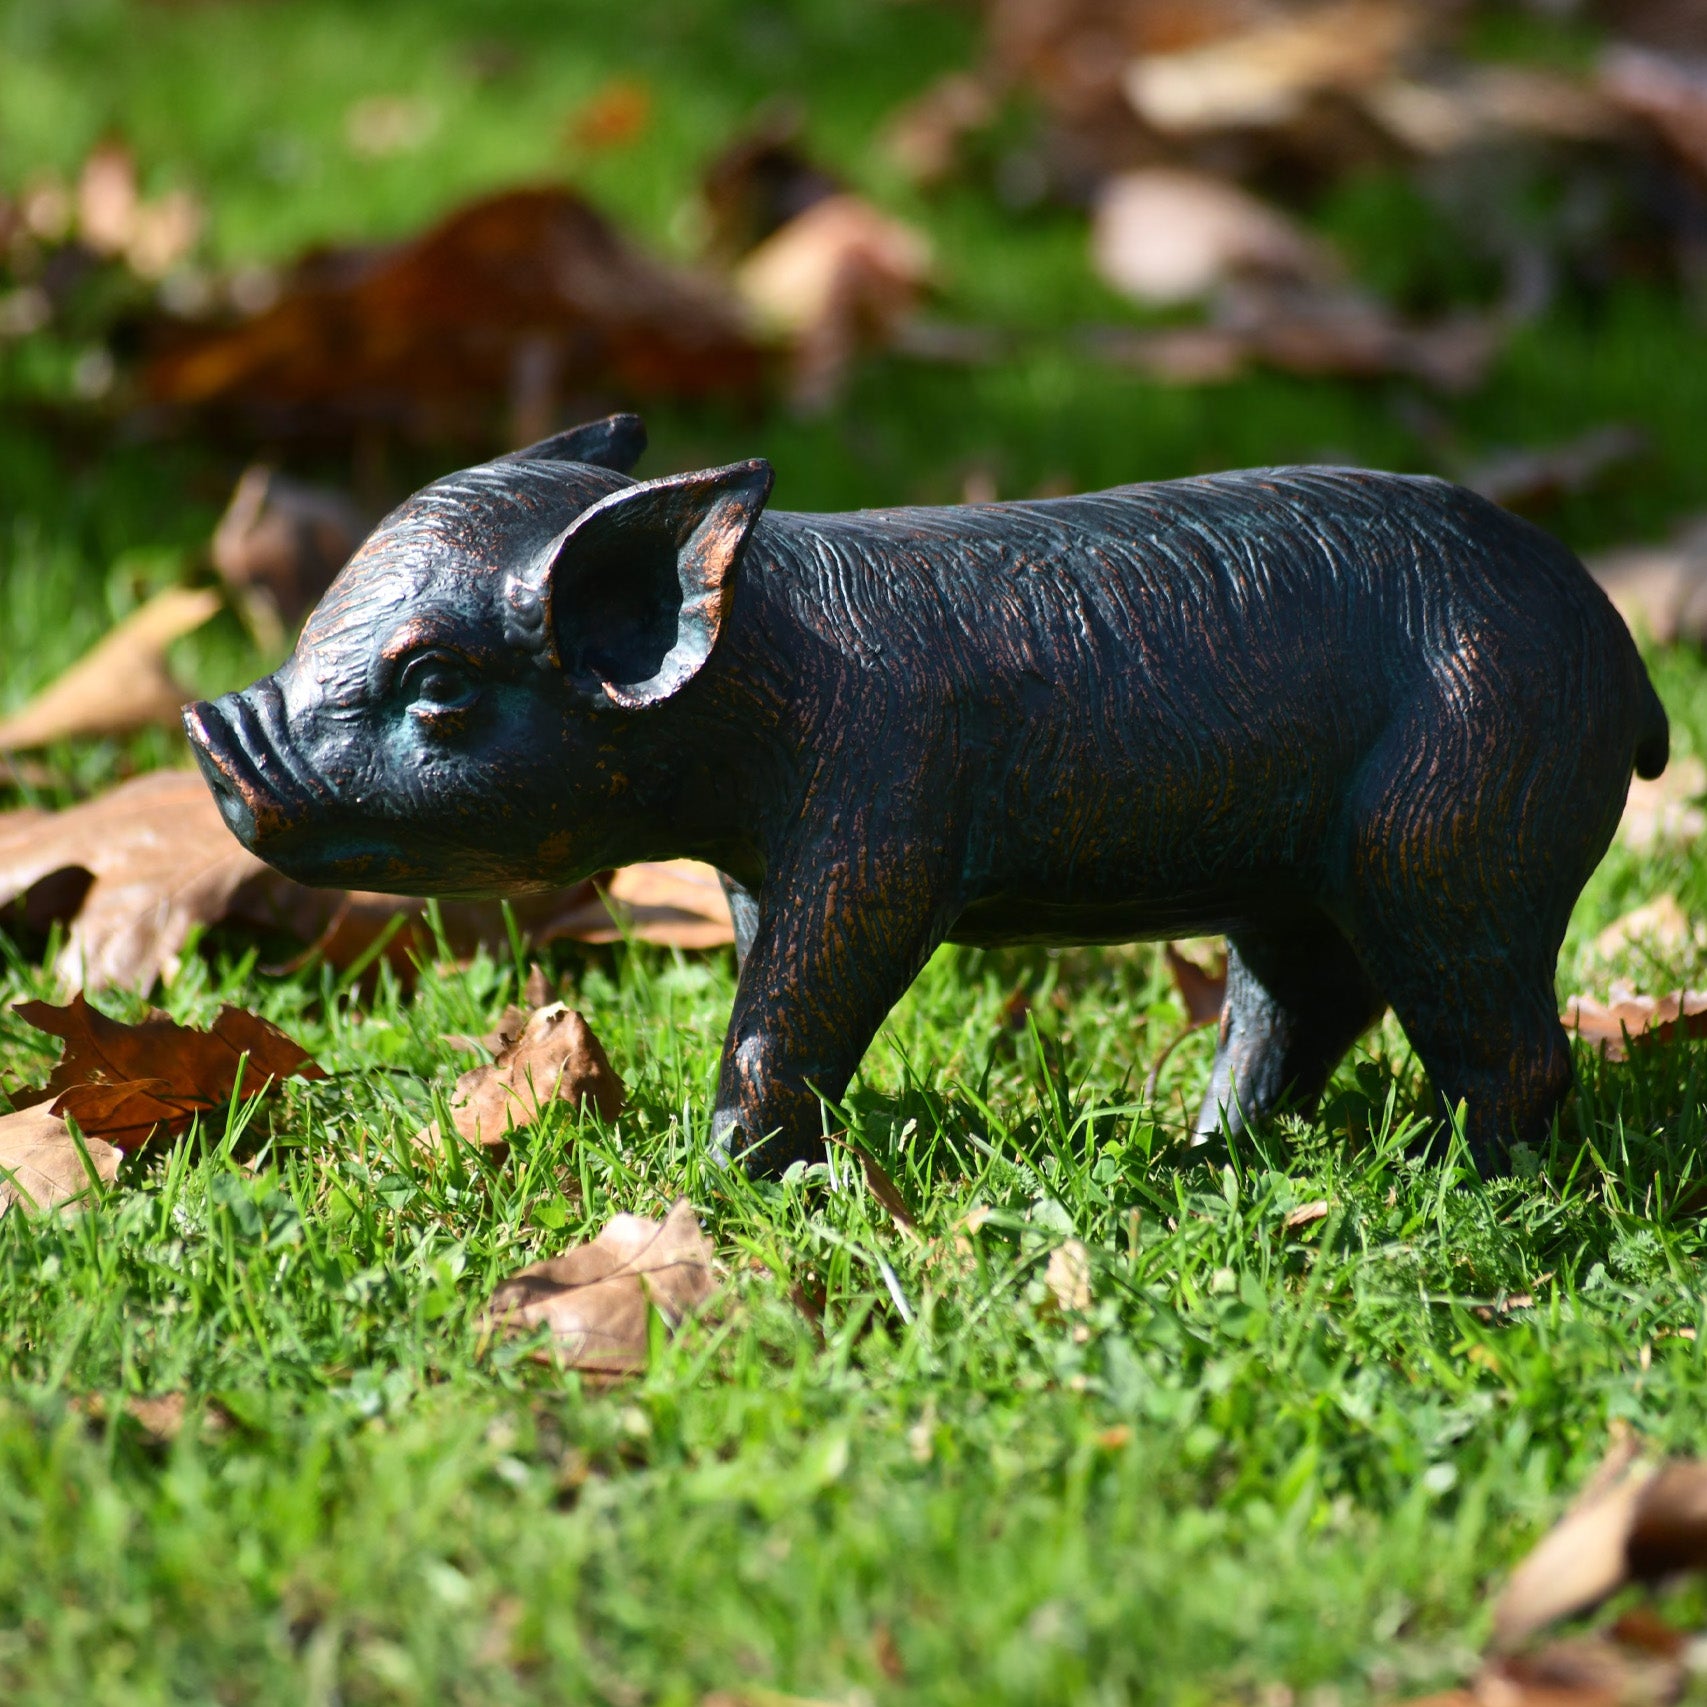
<point>1184,677</point>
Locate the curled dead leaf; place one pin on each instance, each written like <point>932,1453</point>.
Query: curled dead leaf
<point>40,1164</point>
<point>279,544</point>
<point>1264,75</point>
<point>1202,986</point>
<point>133,872</point>
<point>1068,1277</point>
<point>121,683</point>
<point>1665,810</point>
<point>1163,235</point>
<point>126,1082</point>
<point>594,1298</point>
<point>1306,1214</point>
<point>1659,927</point>
<point>553,1055</point>
<point>1628,1020</point>
<point>836,279</point>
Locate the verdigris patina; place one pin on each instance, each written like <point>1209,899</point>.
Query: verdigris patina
<point>1375,729</point>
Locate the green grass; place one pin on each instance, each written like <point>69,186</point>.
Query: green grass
<point>1264,1456</point>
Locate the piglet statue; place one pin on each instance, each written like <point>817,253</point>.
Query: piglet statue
<point>1371,727</point>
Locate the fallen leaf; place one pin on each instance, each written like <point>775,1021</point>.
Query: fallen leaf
<point>678,903</point>
<point>1310,330</point>
<point>1627,1020</point>
<point>116,222</point>
<point>40,1164</point>
<point>613,116</point>
<point>1665,810</point>
<point>1068,1277</point>
<point>1581,1559</point>
<point>121,683</point>
<point>1530,480</point>
<point>1264,76</point>
<point>836,279</point>
<point>1669,1531</point>
<point>125,1082</point>
<point>883,1188</point>
<point>1473,105</point>
<point>1203,989</point>
<point>383,125</point>
<point>279,544</point>
<point>133,872</point>
<point>1306,1214</point>
<point>923,138</point>
<point>1668,91</point>
<point>526,298</point>
<point>757,183</point>
<point>159,1418</point>
<point>1659,590</point>
<point>554,1055</point>
<point>1660,928</point>
<point>594,1298</point>
<point>1163,236</point>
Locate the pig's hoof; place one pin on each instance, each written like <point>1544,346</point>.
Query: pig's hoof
<point>765,1158</point>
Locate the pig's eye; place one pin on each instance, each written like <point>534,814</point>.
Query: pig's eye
<point>435,681</point>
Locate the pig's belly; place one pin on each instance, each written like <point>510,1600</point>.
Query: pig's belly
<point>1210,911</point>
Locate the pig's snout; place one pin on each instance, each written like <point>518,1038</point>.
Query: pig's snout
<point>241,742</point>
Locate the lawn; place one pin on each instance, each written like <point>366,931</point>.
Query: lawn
<point>1275,1457</point>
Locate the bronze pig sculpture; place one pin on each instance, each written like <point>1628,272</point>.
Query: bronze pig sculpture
<point>1371,727</point>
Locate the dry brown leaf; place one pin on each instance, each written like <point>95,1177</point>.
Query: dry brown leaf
<point>1581,1560</point>
<point>1669,1533</point>
<point>40,1165</point>
<point>382,125</point>
<point>1478,103</point>
<point>1164,235</point>
<point>1668,91</point>
<point>1203,989</point>
<point>1627,1020</point>
<point>612,117</point>
<point>527,298</point>
<point>679,903</point>
<point>923,138</point>
<point>279,544</point>
<point>1659,590</point>
<point>1665,810</point>
<point>1311,330</point>
<point>757,183</point>
<point>555,1055</point>
<point>115,221</point>
<point>1306,1214</point>
<point>1659,927</point>
<point>1068,1277</point>
<point>133,872</point>
<point>1265,76</point>
<point>121,683</point>
<point>124,1082</point>
<point>159,1418</point>
<point>594,1298</point>
<point>883,1187</point>
<point>1530,480</point>
<point>836,279</point>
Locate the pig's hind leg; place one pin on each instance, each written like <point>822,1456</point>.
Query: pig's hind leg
<point>1474,833</point>
<point>1297,999</point>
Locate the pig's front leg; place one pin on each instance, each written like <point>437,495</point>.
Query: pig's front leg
<point>836,944</point>
<point>743,914</point>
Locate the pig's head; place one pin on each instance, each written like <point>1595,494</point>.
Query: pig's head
<point>475,706</point>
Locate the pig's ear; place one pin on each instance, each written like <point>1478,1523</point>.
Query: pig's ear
<point>638,587</point>
<point>615,442</point>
